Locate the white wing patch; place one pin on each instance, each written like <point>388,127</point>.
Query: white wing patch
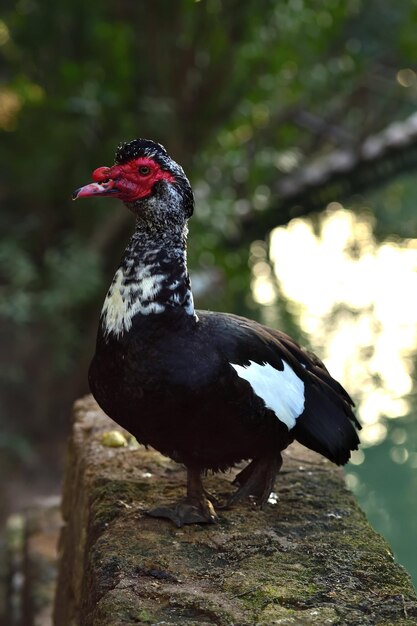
<point>281,390</point>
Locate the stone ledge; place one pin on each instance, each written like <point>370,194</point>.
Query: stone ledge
<point>310,558</point>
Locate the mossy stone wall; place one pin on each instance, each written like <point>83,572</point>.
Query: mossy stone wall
<point>309,558</point>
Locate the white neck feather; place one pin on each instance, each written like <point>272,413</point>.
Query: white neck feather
<point>146,283</point>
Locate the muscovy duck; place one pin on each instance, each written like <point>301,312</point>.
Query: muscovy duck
<point>206,389</point>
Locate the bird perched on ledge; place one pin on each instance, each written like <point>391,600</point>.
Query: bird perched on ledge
<point>206,389</point>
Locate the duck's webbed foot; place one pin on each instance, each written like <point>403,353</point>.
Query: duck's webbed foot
<point>257,479</point>
<point>187,511</point>
<point>195,508</point>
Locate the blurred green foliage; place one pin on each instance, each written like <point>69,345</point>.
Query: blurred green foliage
<point>241,94</point>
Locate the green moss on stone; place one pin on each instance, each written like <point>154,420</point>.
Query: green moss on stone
<point>111,498</point>
<point>310,559</point>
<point>120,607</point>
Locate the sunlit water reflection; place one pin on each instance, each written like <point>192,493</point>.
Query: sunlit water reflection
<point>356,301</point>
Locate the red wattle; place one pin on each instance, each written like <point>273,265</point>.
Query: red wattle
<point>101,173</point>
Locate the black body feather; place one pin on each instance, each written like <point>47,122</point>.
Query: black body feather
<point>170,383</point>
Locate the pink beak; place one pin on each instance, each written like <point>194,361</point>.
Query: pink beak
<point>104,185</point>
<point>95,189</point>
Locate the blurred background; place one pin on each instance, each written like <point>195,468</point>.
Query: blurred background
<point>296,122</point>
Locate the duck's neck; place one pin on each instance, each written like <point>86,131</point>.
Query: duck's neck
<point>152,279</point>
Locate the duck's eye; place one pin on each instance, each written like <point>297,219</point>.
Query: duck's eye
<point>144,170</point>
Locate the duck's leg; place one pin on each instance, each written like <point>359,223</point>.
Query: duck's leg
<point>257,479</point>
<point>195,508</point>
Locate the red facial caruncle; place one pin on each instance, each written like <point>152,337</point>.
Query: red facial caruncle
<point>129,181</point>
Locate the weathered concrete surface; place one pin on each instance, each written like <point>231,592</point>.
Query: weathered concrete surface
<point>311,558</point>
